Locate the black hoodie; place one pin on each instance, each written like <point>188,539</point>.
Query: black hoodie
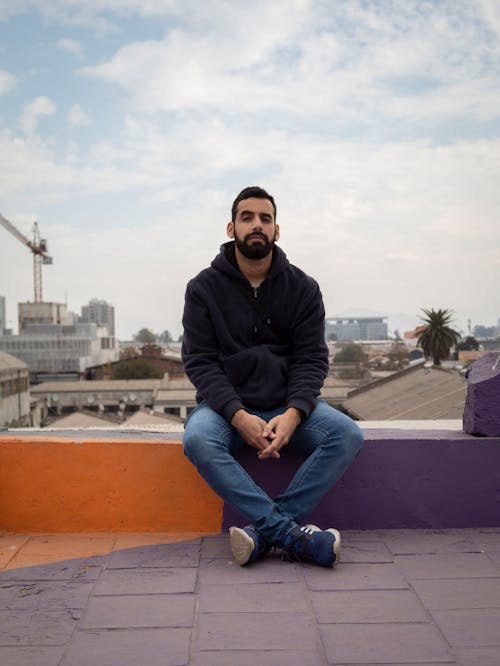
<point>239,356</point>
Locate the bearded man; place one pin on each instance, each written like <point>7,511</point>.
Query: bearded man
<point>254,348</point>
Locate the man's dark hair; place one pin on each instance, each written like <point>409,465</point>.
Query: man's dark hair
<point>250,193</point>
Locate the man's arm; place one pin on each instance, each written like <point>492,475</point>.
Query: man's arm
<point>308,365</point>
<point>200,355</point>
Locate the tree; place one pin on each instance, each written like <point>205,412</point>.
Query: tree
<point>351,353</point>
<point>136,369</point>
<point>468,344</point>
<point>165,337</point>
<point>438,337</point>
<point>145,335</point>
<point>397,355</point>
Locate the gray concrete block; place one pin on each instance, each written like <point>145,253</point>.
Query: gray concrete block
<point>241,598</point>
<point>257,658</point>
<point>459,593</point>
<point>384,644</point>
<point>183,554</point>
<point>44,595</point>
<point>81,569</point>
<point>37,627</point>
<point>146,581</point>
<point>470,628</point>
<point>356,606</point>
<point>355,577</point>
<point>266,570</point>
<point>149,647</point>
<point>365,551</point>
<point>488,656</point>
<point>140,611</point>
<point>35,655</point>
<point>418,542</point>
<point>451,565</point>
<point>248,631</point>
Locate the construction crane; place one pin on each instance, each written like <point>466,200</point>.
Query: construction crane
<point>39,248</point>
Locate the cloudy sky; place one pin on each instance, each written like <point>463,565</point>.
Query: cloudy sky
<point>127,127</point>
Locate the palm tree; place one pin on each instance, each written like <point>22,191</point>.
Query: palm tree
<point>438,337</point>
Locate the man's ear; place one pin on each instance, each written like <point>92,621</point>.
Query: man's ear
<point>230,229</point>
<point>277,232</point>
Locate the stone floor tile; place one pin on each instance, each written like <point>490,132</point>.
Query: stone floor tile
<point>139,611</point>
<point>486,539</point>
<point>216,546</point>
<point>37,627</point>
<point>365,551</point>
<point>459,593</point>
<point>85,569</point>
<point>355,577</point>
<point>487,656</point>
<point>146,581</point>
<point>470,628</point>
<point>246,631</point>
<point>137,539</point>
<point>35,655</point>
<point>149,647</point>
<point>185,554</point>
<point>66,546</point>
<point>418,542</point>
<point>367,606</point>
<point>384,644</point>
<point>10,545</point>
<point>44,595</point>
<point>494,555</point>
<point>257,658</point>
<point>447,565</point>
<point>244,598</point>
<point>267,570</point>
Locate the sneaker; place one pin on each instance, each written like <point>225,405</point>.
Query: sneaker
<point>310,544</point>
<point>247,544</point>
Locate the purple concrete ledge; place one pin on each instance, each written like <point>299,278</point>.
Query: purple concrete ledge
<point>401,479</point>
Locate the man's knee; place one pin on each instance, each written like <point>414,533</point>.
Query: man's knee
<point>354,437</point>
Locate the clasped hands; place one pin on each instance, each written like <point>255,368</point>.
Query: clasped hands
<point>266,437</point>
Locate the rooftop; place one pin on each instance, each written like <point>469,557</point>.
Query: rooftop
<point>161,587</point>
<point>397,596</point>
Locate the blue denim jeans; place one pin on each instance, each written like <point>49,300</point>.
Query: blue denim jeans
<point>329,438</point>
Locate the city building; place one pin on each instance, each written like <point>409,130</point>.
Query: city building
<point>59,351</point>
<point>3,315</point>
<point>99,312</point>
<point>14,392</point>
<point>43,313</point>
<point>356,328</point>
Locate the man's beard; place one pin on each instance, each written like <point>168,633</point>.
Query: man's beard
<point>253,250</point>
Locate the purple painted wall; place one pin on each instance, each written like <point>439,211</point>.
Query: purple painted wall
<point>401,479</point>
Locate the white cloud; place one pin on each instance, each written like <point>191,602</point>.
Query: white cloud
<point>77,117</point>
<point>7,81</point>
<point>41,106</point>
<point>70,45</point>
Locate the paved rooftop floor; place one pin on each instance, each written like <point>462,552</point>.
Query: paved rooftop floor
<point>397,597</point>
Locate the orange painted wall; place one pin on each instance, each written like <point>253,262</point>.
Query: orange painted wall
<point>67,485</point>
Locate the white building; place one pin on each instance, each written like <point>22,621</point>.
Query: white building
<point>55,351</point>
<point>356,328</point>
<point>14,392</point>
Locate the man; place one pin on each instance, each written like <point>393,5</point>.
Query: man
<point>254,348</point>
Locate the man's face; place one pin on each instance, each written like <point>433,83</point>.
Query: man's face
<point>254,229</point>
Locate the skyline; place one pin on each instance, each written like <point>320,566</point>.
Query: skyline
<point>127,128</point>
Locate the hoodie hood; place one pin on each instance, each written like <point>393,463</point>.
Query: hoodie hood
<point>226,262</point>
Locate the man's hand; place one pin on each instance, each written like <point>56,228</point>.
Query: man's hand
<point>251,428</point>
<point>279,431</point>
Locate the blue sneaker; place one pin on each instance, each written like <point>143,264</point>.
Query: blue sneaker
<point>310,544</point>
<point>247,544</point>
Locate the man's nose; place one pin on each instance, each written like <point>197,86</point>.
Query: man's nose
<point>257,223</point>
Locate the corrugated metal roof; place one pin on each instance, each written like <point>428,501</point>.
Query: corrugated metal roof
<point>8,362</point>
<point>416,393</point>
